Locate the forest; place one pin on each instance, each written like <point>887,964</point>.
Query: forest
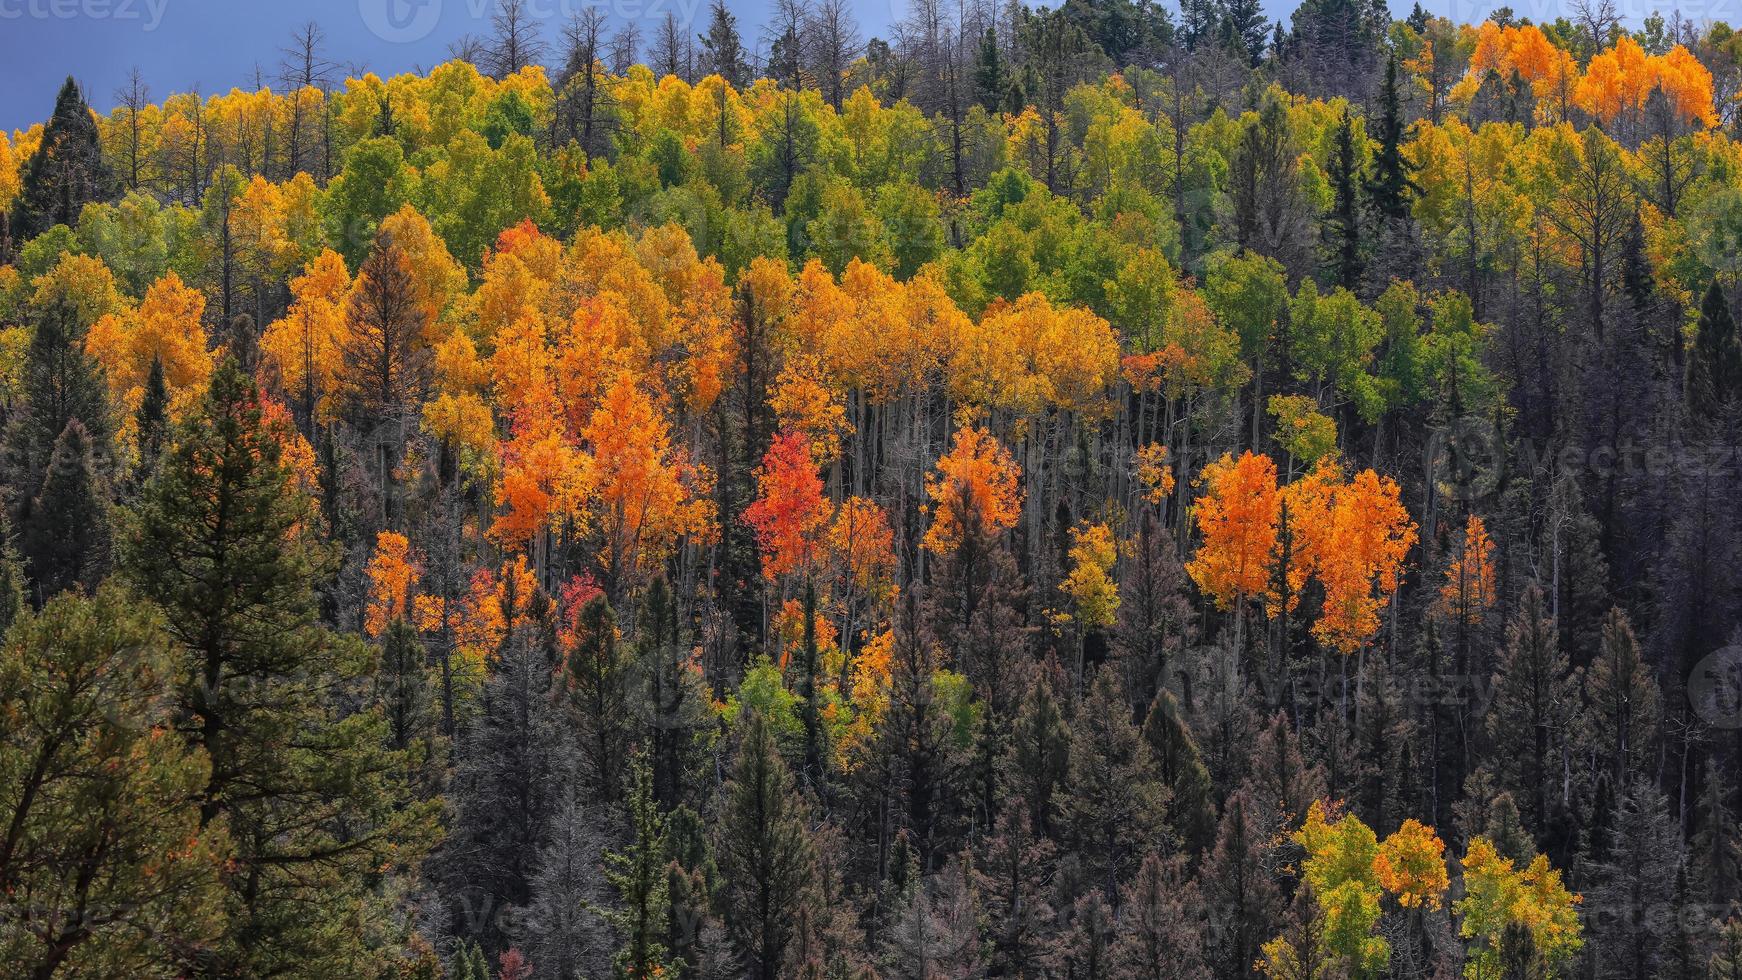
<point>1106,491</point>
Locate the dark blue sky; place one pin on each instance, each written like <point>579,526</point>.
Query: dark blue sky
<point>219,44</point>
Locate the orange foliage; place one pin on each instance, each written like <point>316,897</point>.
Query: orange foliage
<point>1468,591</point>
<point>863,544</point>
<point>1369,534</point>
<point>1411,864</point>
<point>294,451</point>
<point>494,605</point>
<point>1550,71</point>
<point>391,572</point>
<point>1237,518</point>
<point>543,472</point>
<point>165,326</point>
<point>790,510</point>
<point>974,492</point>
<point>646,492</point>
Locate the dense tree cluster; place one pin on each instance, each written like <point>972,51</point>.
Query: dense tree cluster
<point>1081,492</point>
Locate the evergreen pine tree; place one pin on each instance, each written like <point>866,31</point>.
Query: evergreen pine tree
<point>12,581</point>
<point>65,537</point>
<point>104,867</point>
<point>1245,30</point>
<point>722,49</point>
<point>764,852</point>
<point>60,383</point>
<point>66,172</point>
<point>1038,757</point>
<point>991,76</point>
<point>1726,961</point>
<point>1532,704</point>
<point>1622,702</point>
<point>1343,229</point>
<point>1161,926</point>
<point>639,874</point>
<point>1012,877</point>
<point>1180,767</point>
<point>673,694</point>
<point>1714,380</point>
<point>1715,849</point>
<point>505,791</point>
<point>152,422</point>
<point>224,543</point>
<point>1239,890</point>
<point>1635,885</point>
<point>598,676</point>
<point>1390,185</point>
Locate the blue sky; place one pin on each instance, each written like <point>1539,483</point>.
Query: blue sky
<point>219,44</point>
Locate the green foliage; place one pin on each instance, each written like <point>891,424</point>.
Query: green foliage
<point>763,694</point>
<point>639,875</point>
<point>224,543</point>
<point>1714,383</point>
<point>67,172</point>
<point>108,868</point>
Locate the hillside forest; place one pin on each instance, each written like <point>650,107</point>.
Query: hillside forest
<point>1109,491</point>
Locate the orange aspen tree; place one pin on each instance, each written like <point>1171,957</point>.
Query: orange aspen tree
<point>1362,557</point>
<point>974,493</point>
<point>644,492</point>
<point>790,512</point>
<point>391,572</point>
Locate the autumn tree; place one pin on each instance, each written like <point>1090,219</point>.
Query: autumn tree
<point>646,494</point>
<point>1237,518</point>
<point>790,511</point>
<point>1499,897</point>
<point>384,361</point>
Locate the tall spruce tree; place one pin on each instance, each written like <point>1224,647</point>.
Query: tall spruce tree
<point>225,543</point>
<point>1191,811</point>
<point>65,537</point>
<point>764,852</point>
<point>1343,223</point>
<point>66,172</point>
<point>723,51</point>
<point>1112,801</point>
<point>638,872</point>
<point>598,685</point>
<point>1390,185</point>
<point>1533,703</point>
<point>1714,379</point>
<point>60,383</point>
